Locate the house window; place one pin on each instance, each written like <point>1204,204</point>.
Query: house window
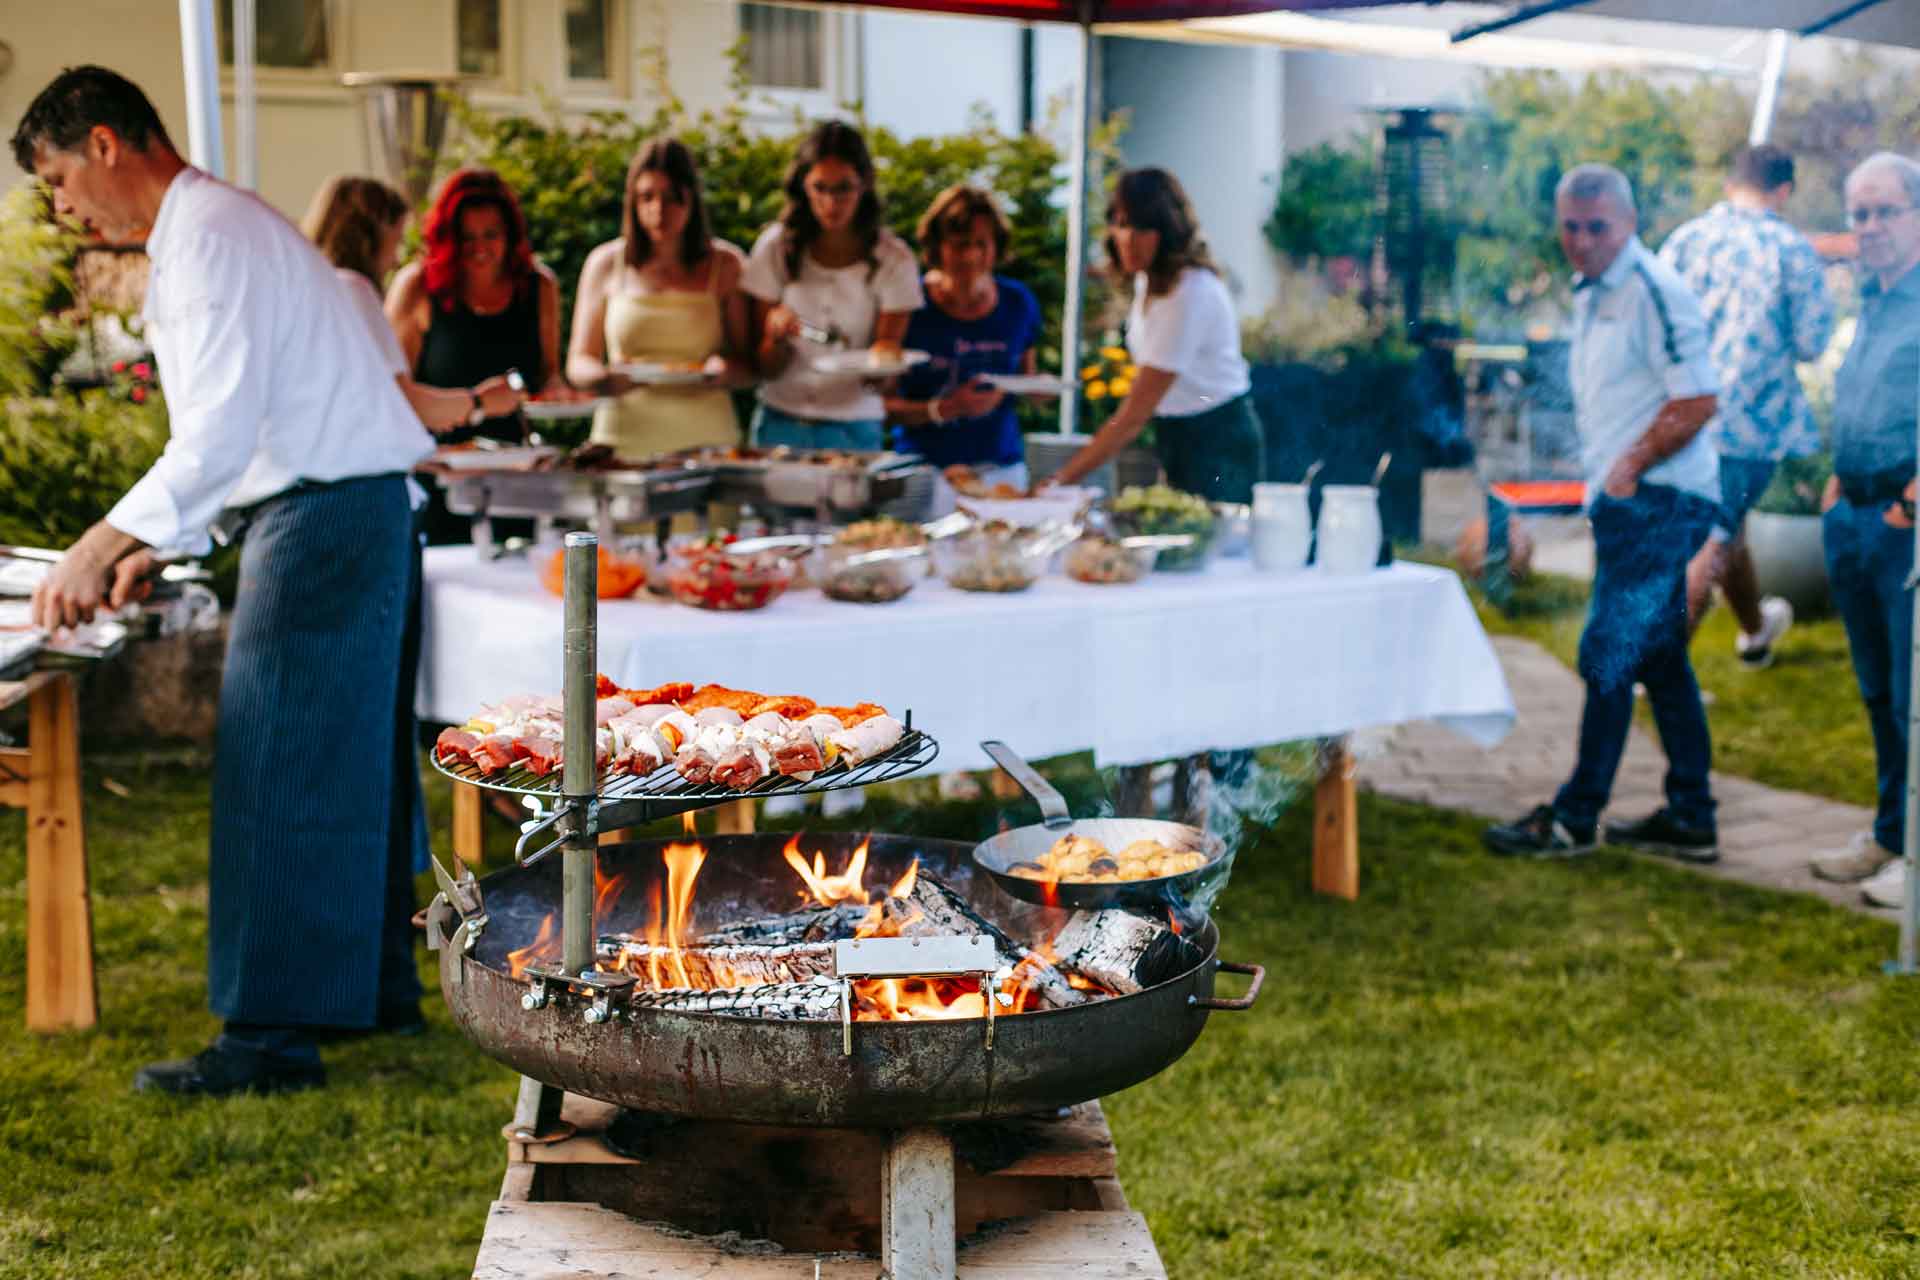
<point>287,33</point>
<point>589,40</point>
<point>784,47</point>
<point>478,37</point>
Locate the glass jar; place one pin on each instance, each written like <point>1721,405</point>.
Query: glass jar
<point>1349,532</point>
<point>1282,528</point>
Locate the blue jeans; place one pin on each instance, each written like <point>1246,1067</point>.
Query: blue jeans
<point>1637,632</point>
<point>1742,481</point>
<point>773,427</point>
<point>1867,566</point>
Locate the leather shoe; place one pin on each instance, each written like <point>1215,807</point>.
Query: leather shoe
<point>223,1069</point>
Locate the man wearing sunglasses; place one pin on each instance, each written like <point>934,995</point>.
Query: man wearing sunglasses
<point>1867,519</point>
<point>1643,387</point>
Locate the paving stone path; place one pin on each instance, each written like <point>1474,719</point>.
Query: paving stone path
<point>1766,834</point>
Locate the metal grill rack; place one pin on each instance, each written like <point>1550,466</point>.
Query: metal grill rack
<point>626,800</point>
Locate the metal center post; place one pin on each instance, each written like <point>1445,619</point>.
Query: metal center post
<point>578,772</point>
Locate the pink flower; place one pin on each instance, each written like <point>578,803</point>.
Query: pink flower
<point>138,395</point>
<point>119,366</point>
<point>143,370</point>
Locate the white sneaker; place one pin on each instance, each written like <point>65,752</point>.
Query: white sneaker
<point>1862,857</point>
<point>1887,887</point>
<point>1755,651</point>
<point>783,806</point>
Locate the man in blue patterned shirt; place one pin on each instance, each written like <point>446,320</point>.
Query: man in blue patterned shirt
<point>1761,285</point>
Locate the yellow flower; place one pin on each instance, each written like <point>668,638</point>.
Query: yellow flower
<point>1096,390</point>
<point>1089,373</point>
<point>1131,370</point>
<point>1113,353</point>
<point>1120,387</point>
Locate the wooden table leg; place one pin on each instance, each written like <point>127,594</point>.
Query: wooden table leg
<point>735,818</point>
<point>62,994</point>
<point>469,830</point>
<point>1336,824</point>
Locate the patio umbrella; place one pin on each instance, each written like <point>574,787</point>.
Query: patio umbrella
<point>1881,21</point>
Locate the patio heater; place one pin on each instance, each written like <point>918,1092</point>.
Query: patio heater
<point>403,117</point>
<point>1413,211</point>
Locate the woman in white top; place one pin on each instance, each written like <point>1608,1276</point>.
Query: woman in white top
<point>1184,336</point>
<point>827,275</point>
<point>358,223</point>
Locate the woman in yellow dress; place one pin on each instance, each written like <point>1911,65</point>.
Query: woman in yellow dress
<point>667,295</point>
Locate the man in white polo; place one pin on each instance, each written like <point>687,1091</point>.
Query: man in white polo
<point>1643,387</point>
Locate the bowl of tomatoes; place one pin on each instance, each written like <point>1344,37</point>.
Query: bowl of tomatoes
<point>710,575</point>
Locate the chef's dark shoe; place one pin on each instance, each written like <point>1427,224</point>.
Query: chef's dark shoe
<point>223,1069</point>
<point>1663,834</point>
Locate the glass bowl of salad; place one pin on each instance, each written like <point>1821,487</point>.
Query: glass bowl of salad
<point>709,575</point>
<point>1162,509</point>
<point>997,556</point>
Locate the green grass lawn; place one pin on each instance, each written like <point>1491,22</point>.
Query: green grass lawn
<point>1799,724</point>
<point>1611,1068</point>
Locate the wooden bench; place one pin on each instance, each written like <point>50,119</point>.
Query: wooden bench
<point>43,778</point>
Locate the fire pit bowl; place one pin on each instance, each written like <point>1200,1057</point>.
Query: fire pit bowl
<point>767,1070</point>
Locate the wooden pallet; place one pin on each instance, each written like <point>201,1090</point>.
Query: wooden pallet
<point>43,778</point>
<point>576,1209</point>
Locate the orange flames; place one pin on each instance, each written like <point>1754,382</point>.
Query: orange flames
<point>669,919</point>
<point>544,947</point>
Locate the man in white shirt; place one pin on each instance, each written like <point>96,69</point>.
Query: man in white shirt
<point>284,417</point>
<point>1643,387</point>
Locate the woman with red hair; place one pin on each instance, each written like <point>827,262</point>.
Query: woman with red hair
<point>474,305</point>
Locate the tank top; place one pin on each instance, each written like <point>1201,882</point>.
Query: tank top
<point>462,348</point>
<point>670,327</point>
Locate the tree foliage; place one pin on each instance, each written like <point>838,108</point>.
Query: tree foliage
<point>1325,206</point>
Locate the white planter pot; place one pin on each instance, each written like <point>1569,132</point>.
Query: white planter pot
<point>1788,559</point>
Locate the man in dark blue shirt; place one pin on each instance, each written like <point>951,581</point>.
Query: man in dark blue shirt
<point>1868,509</point>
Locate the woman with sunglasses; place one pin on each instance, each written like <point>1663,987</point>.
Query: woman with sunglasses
<point>1184,336</point>
<point>827,275</point>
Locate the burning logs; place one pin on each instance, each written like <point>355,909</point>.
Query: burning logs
<point>703,966</point>
<point>932,909</point>
<point>1117,949</point>
<point>814,1001</point>
<point>810,924</point>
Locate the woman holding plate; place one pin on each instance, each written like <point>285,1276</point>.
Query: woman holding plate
<point>827,280</point>
<point>1192,383</point>
<point>659,319</point>
<point>977,326</point>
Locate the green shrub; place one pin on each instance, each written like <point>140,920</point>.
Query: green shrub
<point>1325,206</point>
<point>66,455</point>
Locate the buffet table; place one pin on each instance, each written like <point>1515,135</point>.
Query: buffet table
<point>1176,664</point>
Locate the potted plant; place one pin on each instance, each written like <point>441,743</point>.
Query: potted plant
<point>1783,534</point>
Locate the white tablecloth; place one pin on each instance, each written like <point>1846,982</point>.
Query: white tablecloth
<point>1172,665</point>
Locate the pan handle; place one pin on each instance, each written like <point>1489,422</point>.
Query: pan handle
<point>1242,1002</point>
<point>1053,805</point>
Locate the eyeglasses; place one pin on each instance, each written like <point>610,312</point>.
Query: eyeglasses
<point>1885,213</point>
<point>832,190</point>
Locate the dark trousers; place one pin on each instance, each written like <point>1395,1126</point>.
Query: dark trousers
<point>1218,454</point>
<point>1637,632</point>
<point>1867,566</point>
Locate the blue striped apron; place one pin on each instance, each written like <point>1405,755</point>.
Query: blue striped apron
<point>306,807</point>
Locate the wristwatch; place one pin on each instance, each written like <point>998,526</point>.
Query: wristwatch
<point>478,414</point>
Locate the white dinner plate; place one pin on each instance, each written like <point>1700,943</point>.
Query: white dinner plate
<point>513,458</point>
<point>554,410</point>
<point>862,362</point>
<point>650,374</point>
<point>1029,384</point>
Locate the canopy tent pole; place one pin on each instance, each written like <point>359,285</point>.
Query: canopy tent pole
<point>1775,71</point>
<point>201,65</point>
<point>246,137</point>
<point>1076,300</point>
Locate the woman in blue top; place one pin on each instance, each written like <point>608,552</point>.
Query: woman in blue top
<point>974,324</point>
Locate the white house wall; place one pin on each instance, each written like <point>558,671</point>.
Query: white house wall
<point>1213,116</point>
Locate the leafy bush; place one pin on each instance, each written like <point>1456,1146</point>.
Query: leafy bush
<point>1325,206</point>
<point>66,455</point>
